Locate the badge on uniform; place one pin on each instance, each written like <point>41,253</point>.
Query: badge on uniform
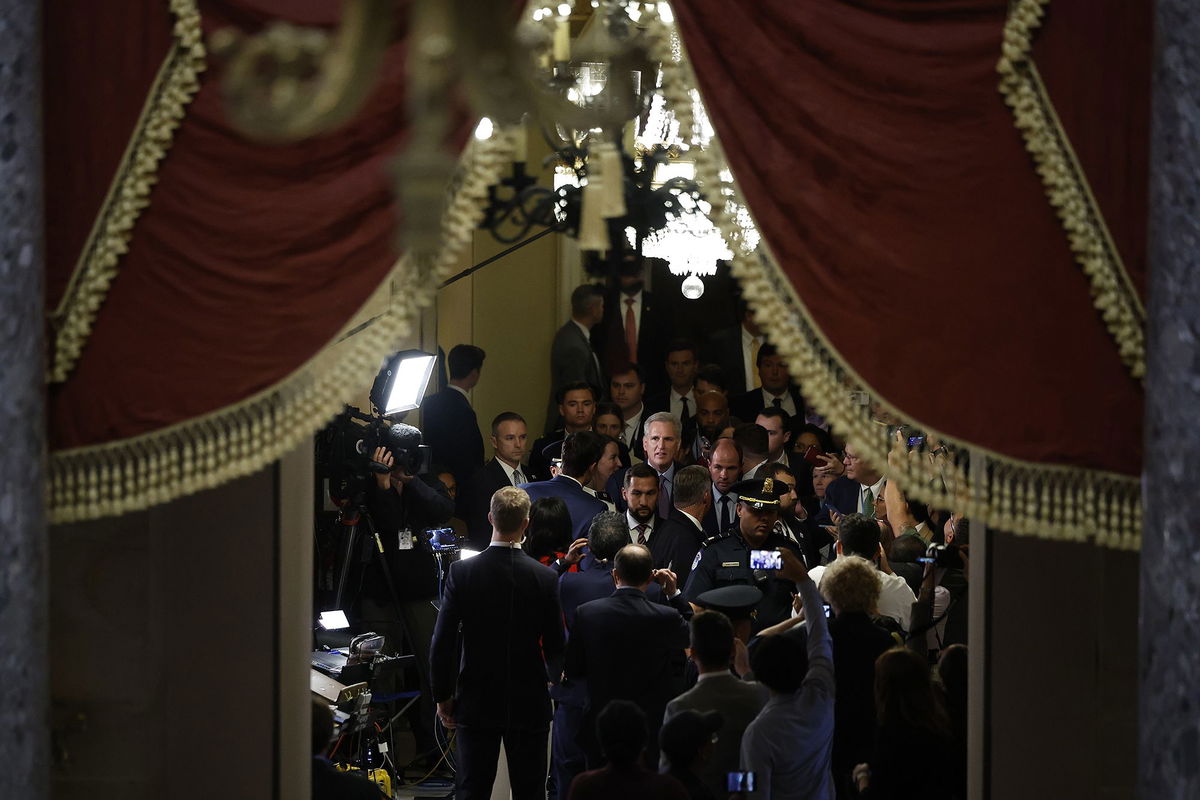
<point>404,539</point>
<point>696,560</point>
<point>731,563</point>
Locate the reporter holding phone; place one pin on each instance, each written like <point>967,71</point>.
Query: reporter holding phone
<point>789,745</point>
<point>729,559</point>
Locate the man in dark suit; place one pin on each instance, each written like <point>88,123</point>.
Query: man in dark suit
<point>712,417</point>
<point>683,531</point>
<point>661,443</point>
<point>777,389</point>
<point>593,581</point>
<point>577,410</point>
<point>629,648</point>
<point>581,452</point>
<point>509,440</point>
<point>572,358</point>
<point>680,397</point>
<point>805,532</point>
<point>634,329</point>
<point>734,350</point>
<point>511,628</point>
<point>627,389</point>
<point>737,701</point>
<point>448,421</point>
<point>778,425</point>
<point>855,491</point>
<point>725,470</point>
<point>400,583</point>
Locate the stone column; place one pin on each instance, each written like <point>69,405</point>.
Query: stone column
<point>1169,696</point>
<point>24,706</point>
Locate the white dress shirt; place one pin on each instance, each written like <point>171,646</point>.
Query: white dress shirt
<point>633,523</point>
<point>876,488</point>
<point>512,472</point>
<point>786,402</point>
<point>748,356</point>
<point>721,521</point>
<point>629,435</point>
<point>895,597</point>
<point>676,404</point>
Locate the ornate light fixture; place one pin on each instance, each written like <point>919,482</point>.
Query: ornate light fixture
<point>602,93</point>
<point>290,82</point>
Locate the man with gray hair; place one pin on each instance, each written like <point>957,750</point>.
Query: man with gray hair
<point>661,442</point>
<point>572,358</point>
<point>504,606</point>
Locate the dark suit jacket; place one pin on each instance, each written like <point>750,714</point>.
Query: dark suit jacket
<point>593,581</point>
<point>678,540</point>
<point>811,537</point>
<point>476,499</point>
<point>857,642</point>
<point>627,648</point>
<point>581,505</point>
<point>712,526</point>
<point>725,349</point>
<point>413,572</point>
<point>746,406</point>
<point>570,360</point>
<point>450,427</point>
<point>843,494</point>
<point>608,338</point>
<point>617,481</point>
<point>738,702</point>
<point>507,605</point>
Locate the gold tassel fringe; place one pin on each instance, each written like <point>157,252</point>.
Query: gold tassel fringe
<point>140,472</point>
<point>1025,498</point>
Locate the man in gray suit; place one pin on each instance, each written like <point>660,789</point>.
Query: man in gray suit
<point>718,689</point>
<point>571,356</point>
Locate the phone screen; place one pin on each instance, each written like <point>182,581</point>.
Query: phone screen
<point>766,559</point>
<point>739,782</point>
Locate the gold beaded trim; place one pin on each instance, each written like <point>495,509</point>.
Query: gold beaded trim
<point>1025,498</point>
<point>1066,185</point>
<point>143,471</point>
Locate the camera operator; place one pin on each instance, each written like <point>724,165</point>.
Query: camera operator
<point>402,506</point>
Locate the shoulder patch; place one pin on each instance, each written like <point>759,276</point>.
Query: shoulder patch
<point>696,560</point>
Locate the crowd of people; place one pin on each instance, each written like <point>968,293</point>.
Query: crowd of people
<point>714,587</point>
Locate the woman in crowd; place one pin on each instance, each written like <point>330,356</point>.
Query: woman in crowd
<point>914,754</point>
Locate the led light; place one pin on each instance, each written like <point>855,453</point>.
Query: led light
<point>401,381</point>
<point>665,13</point>
<point>692,287</point>
<point>333,620</point>
<point>483,130</point>
<point>564,10</point>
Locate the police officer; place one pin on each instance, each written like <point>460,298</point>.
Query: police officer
<point>724,559</point>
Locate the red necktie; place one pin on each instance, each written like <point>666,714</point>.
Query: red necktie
<point>630,330</point>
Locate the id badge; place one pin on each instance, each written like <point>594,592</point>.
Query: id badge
<point>404,540</point>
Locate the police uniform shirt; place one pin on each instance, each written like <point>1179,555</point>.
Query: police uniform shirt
<point>725,561</point>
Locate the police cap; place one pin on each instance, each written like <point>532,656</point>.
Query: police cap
<point>736,602</point>
<point>759,493</point>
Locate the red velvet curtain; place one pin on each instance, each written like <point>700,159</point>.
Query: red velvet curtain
<point>249,258</point>
<point>884,169</point>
